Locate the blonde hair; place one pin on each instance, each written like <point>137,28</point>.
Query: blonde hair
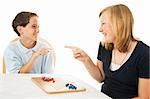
<point>122,25</point>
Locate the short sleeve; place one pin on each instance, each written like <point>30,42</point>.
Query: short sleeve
<point>99,56</point>
<point>103,54</point>
<point>144,66</point>
<point>12,61</point>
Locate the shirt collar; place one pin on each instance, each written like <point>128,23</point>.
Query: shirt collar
<point>26,50</point>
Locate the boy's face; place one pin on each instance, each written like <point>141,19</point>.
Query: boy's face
<point>31,30</point>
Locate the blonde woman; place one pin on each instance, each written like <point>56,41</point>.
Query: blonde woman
<point>123,61</point>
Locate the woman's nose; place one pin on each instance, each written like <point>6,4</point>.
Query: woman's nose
<point>100,29</point>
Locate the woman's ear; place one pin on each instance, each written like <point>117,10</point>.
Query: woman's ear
<point>20,29</point>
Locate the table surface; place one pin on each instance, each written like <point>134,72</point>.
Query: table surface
<point>20,86</point>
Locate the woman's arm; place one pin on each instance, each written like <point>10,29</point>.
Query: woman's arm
<point>95,71</point>
<point>143,89</point>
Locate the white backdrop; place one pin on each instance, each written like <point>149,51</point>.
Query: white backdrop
<point>70,22</point>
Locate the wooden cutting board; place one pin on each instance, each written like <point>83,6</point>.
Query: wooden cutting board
<point>59,86</point>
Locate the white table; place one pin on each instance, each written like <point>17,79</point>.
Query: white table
<point>20,86</point>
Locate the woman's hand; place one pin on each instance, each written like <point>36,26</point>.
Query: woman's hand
<point>78,54</point>
<point>95,71</point>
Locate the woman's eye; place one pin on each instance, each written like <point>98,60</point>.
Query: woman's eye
<point>102,23</point>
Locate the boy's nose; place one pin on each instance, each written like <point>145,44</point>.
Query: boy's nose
<point>37,30</point>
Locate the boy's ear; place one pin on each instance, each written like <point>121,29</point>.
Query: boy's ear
<point>19,29</point>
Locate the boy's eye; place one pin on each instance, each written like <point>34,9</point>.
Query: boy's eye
<point>33,26</point>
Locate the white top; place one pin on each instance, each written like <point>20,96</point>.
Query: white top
<point>114,67</point>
